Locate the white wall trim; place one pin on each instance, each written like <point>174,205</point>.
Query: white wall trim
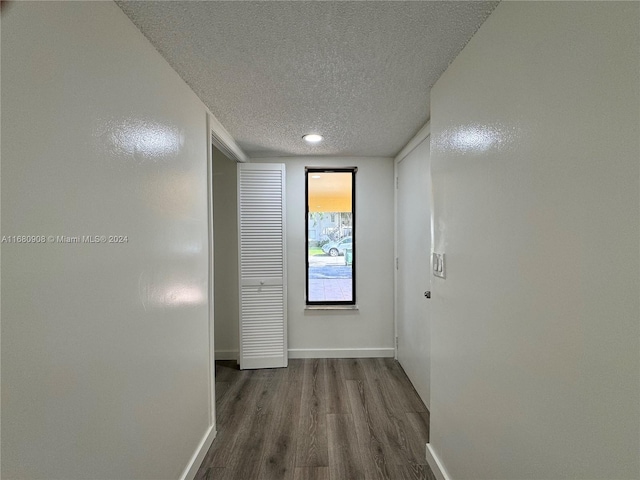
<point>382,352</point>
<point>417,139</point>
<point>395,259</point>
<point>227,354</point>
<point>223,140</point>
<point>211,279</point>
<point>192,467</point>
<point>214,128</point>
<point>436,465</point>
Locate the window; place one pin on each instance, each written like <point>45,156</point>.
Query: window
<point>331,233</point>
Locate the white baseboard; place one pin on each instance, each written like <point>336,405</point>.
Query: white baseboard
<point>341,352</point>
<point>436,465</point>
<point>192,467</point>
<point>321,353</point>
<point>226,354</point>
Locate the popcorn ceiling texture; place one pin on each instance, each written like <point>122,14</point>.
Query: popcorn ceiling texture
<point>359,73</point>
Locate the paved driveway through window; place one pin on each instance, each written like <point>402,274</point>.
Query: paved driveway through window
<point>329,278</point>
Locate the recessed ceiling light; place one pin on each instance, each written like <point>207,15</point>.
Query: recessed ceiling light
<point>315,176</point>
<point>312,138</point>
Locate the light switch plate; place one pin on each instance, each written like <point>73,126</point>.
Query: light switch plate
<point>438,265</point>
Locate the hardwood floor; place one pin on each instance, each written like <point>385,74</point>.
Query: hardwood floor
<point>318,419</point>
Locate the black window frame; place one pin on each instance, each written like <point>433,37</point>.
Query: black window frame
<point>314,170</point>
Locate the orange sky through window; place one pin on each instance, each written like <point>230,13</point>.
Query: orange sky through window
<point>331,192</point>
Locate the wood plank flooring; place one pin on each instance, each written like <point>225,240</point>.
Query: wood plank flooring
<point>318,419</point>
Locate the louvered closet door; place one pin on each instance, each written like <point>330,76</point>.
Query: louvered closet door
<point>262,264</point>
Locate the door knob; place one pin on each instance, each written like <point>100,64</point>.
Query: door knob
<point>427,294</point>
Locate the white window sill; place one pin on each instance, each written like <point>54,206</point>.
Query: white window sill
<point>331,307</point>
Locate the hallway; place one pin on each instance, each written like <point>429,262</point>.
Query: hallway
<point>318,419</point>
<point>130,121</point>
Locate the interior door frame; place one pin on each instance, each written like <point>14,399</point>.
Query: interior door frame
<point>419,137</point>
<point>212,348</point>
<point>216,135</point>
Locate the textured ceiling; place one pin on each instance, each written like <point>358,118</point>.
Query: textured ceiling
<point>358,73</point>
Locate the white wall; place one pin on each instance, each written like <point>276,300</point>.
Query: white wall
<point>342,333</point>
<point>535,333</point>
<point>225,234</point>
<point>105,347</point>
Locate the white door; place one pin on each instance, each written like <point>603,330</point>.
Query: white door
<point>262,265</point>
<point>414,274</point>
